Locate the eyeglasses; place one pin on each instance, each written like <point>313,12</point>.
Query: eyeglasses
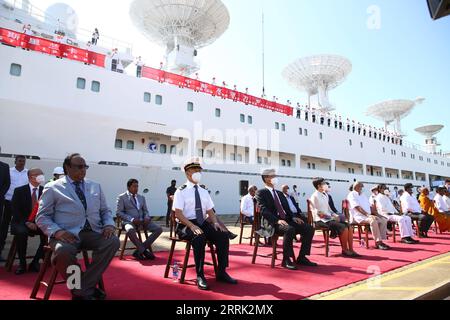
<point>79,166</point>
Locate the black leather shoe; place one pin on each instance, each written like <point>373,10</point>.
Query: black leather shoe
<point>382,246</point>
<point>225,277</point>
<point>201,283</point>
<point>287,263</point>
<point>305,262</point>
<point>232,236</point>
<point>408,241</point>
<point>149,255</point>
<point>139,256</point>
<point>99,294</point>
<point>21,270</point>
<point>34,267</point>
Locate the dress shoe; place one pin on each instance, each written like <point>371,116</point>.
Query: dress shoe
<point>139,256</point>
<point>149,255</point>
<point>34,267</point>
<point>232,236</point>
<point>225,277</point>
<point>382,246</point>
<point>287,263</point>
<point>201,283</point>
<point>99,294</point>
<point>305,262</point>
<point>21,270</point>
<point>408,241</point>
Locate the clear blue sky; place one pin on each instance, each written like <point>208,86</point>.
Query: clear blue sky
<point>406,57</point>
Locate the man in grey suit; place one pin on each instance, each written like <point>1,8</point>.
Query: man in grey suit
<point>74,215</point>
<point>132,209</point>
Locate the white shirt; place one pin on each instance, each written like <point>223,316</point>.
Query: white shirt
<point>276,195</point>
<point>184,200</point>
<point>18,179</point>
<point>291,204</point>
<point>358,200</point>
<point>440,203</point>
<point>447,201</point>
<point>409,203</point>
<point>296,196</point>
<point>139,63</point>
<point>320,204</point>
<point>247,206</point>
<point>32,188</point>
<point>385,205</point>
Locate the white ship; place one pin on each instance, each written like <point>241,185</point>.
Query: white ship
<point>58,95</point>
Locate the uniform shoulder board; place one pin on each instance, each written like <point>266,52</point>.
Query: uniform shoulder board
<point>182,187</point>
<point>204,188</point>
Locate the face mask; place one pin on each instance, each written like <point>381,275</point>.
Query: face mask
<point>40,179</point>
<point>387,193</point>
<point>197,177</point>
<point>274,181</point>
<point>326,188</point>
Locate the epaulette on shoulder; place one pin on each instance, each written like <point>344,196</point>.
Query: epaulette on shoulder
<point>182,187</point>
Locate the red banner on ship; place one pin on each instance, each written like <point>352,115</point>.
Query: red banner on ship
<point>17,39</point>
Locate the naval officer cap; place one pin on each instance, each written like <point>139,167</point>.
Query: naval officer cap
<point>269,172</point>
<point>192,163</point>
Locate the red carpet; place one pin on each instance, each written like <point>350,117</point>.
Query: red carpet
<point>132,280</point>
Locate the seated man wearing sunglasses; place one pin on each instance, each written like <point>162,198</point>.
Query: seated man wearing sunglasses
<point>74,215</point>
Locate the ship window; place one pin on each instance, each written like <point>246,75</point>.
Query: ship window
<point>233,156</point>
<point>158,100</point>
<point>209,153</point>
<point>289,164</point>
<point>320,135</point>
<point>163,149</point>
<point>95,86</point>
<point>350,142</point>
<point>119,144</point>
<point>309,165</point>
<point>147,97</point>
<point>300,131</point>
<point>362,145</point>
<point>283,163</point>
<point>81,83</point>
<point>306,132</point>
<point>15,70</point>
<point>173,149</point>
<point>435,162</point>
<point>277,126</point>
<point>190,106</point>
<point>200,152</point>
<point>239,157</point>
<point>218,113</point>
<point>250,120</point>
<point>259,160</point>
<point>283,127</point>
<point>314,166</point>
<point>242,116</point>
<point>384,150</point>
<point>266,160</point>
<point>130,145</point>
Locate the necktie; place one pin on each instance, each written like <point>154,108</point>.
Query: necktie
<point>280,209</point>
<point>34,206</point>
<point>198,207</point>
<point>134,200</point>
<point>82,198</point>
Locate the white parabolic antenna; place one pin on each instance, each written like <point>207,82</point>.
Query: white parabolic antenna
<point>429,132</point>
<point>318,75</point>
<point>182,26</point>
<point>393,111</point>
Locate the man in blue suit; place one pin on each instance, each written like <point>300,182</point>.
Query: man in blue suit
<point>74,215</point>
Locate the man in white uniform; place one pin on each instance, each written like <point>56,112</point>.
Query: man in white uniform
<point>192,204</point>
<point>386,209</point>
<point>248,204</point>
<point>360,213</point>
<point>439,201</point>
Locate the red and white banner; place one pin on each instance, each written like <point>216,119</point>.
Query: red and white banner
<point>224,93</point>
<point>17,39</point>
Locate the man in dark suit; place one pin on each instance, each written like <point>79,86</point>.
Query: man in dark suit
<point>275,210</point>
<point>24,207</point>
<point>5,182</point>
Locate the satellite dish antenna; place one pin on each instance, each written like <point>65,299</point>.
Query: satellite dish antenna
<point>393,111</point>
<point>429,132</point>
<point>317,75</point>
<point>182,26</point>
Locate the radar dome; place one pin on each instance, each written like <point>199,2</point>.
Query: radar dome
<point>63,17</point>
